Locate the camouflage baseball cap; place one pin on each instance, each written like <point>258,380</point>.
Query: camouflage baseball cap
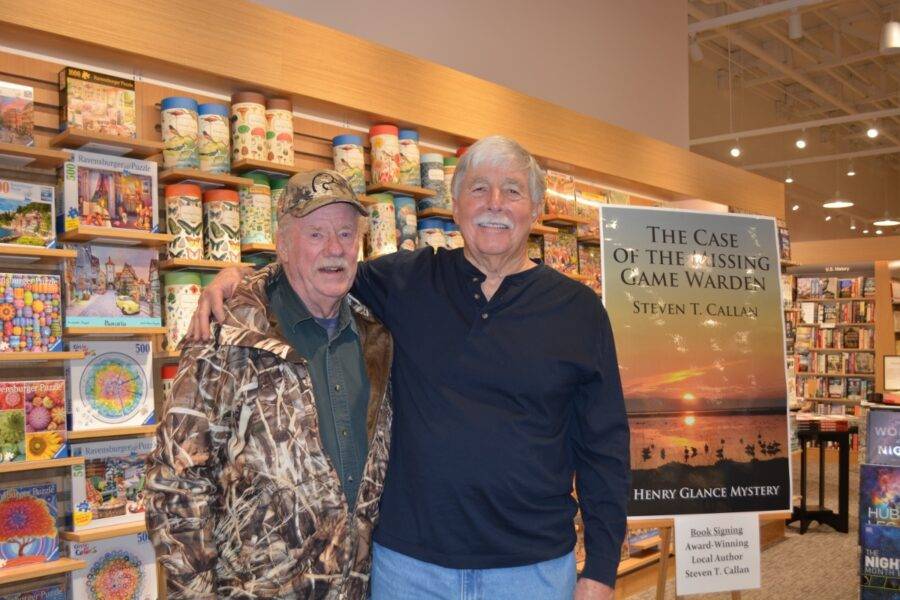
<point>311,190</point>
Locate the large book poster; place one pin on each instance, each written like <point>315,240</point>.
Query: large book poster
<point>695,304</point>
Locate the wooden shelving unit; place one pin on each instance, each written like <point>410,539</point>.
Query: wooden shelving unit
<point>15,155</point>
<point>167,355</point>
<point>839,350</point>
<point>112,432</point>
<point>113,331</point>
<point>429,213</point>
<point>179,264</point>
<point>79,139</point>
<point>400,190</point>
<point>257,248</point>
<point>17,357</point>
<point>115,236</point>
<point>248,165</point>
<point>102,533</point>
<point>34,255</point>
<point>203,178</point>
<point>565,219</point>
<point>26,572</point>
<point>35,465</point>
<point>848,401</point>
<point>590,240</point>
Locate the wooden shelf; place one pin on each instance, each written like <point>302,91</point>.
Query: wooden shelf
<point>871,405</point>
<point>79,139</point>
<point>114,235</point>
<point>646,544</point>
<point>203,178</point>
<point>788,263</point>
<point>854,299</point>
<point>860,375</point>
<point>540,229</point>
<point>400,190</point>
<point>636,562</point>
<point>179,264</point>
<point>565,219</point>
<point>167,354</point>
<point>839,350</point>
<point>35,465</point>
<point>578,277</point>
<point>34,255</point>
<point>429,213</point>
<point>102,533</point>
<point>257,248</point>
<point>848,401</point>
<point>46,569</point>
<point>113,331</point>
<point>18,156</point>
<point>248,165</point>
<point>17,357</point>
<point>111,432</point>
<point>590,240</point>
<point>833,325</point>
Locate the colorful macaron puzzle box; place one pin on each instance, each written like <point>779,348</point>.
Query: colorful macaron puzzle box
<point>30,312</point>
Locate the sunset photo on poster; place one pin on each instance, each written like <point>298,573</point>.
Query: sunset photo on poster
<point>695,304</point>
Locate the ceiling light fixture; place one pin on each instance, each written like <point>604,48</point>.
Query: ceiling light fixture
<point>735,151</point>
<point>801,141</point>
<point>795,25</point>
<point>789,178</point>
<point>872,132</point>
<point>878,232</point>
<point>696,51</point>
<point>852,225</point>
<point>837,202</point>
<point>828,218</point>
<point>851,172</point>
<point>865,231</point>
<point>890,38</point>
<point>795,207</point>
<point>886,221</point>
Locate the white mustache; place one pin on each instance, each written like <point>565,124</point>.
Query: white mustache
<point>333,263</point>
<point>489,219</point>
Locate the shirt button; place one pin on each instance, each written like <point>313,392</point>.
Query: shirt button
<point>475,279</point>
<point>344,432</point>
<point>477,296</point>
<point>349,477</point>
<point>337,387</point>
<point>484,315</point>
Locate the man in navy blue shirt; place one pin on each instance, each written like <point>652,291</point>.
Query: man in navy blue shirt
<point>505,386</point>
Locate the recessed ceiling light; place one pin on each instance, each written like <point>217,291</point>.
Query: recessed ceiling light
<point>878,232</point>
<point>872,132</point>
<point>795,207</point>
<point>735,151</point>
<point>800,143</point>
<point>865,231</point>
<point>828,218</point>
<point>789,179</point>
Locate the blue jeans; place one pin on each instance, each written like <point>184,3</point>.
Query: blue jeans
<point>396,576</point>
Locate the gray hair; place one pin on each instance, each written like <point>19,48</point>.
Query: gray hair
<point>500,151</point>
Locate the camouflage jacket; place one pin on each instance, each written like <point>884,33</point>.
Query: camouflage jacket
<point>243,502</point>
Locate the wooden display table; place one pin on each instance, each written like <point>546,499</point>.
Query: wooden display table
<point>840,521</point>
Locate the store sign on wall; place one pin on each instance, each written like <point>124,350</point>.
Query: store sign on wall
<point>716,553</point>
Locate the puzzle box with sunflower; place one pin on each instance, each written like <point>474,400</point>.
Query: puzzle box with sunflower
<point>109,488</point>
<point>32,420</point>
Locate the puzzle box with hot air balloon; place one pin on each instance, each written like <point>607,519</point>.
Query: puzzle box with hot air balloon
<point>694,300</point>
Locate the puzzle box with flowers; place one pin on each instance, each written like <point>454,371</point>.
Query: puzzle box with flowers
<point>30,313</point>
<point>32,420</point>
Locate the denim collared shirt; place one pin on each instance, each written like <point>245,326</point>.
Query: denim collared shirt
<point>338,376</point>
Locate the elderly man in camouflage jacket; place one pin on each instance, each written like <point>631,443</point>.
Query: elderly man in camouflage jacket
<point>272,451</point>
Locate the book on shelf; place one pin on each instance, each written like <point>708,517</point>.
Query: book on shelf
<point>827,288</point>
<point>851,388</point>
<point>835,387</point>
<point>784,242</point>
<point>808,312</point>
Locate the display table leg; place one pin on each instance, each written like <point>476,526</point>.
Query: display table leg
<point>821,475</point>
<point>843,524</point>
<point>803,487</point>
<point>665,541</point>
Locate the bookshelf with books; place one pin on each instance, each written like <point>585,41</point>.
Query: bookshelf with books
<point>832,323</point>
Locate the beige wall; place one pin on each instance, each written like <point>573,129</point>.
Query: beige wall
<point>846,250</point>
<point>621,62</point>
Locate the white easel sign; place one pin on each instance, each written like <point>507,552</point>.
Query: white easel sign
<point>716,553</point>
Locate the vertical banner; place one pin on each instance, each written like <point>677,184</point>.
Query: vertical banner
<point>695,304</point>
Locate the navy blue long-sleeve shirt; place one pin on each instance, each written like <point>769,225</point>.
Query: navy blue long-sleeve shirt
<point>496,405</point>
